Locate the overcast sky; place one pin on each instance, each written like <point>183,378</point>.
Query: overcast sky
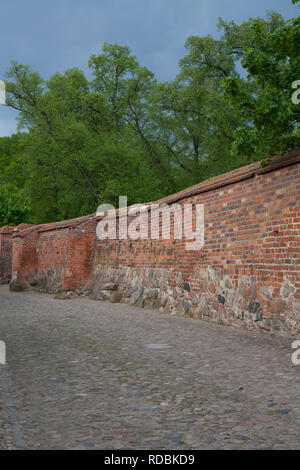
<point>52,36</point>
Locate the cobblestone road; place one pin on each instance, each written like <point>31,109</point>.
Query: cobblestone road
<point>79,377</point>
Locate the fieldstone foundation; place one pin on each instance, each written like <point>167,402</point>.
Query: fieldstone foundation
<point>208,296</point>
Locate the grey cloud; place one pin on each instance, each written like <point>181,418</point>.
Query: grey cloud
<point>53,36</point>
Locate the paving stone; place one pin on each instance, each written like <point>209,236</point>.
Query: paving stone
<point>80,377</point>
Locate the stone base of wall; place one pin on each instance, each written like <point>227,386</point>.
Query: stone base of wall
<point>45,280</point>
<point>16,286</point>
<point>48,280</point>
<point>210,295</point>
<point>216,298</point>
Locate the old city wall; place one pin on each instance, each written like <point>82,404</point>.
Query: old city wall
<point>247,273</point>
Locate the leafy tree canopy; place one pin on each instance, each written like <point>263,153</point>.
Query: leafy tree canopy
<point>85,142</point>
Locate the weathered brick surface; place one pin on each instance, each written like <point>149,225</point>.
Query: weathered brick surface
<point>247,273</point>
<point>6,235</point>
<point>52,257</point>
<point>5,252</point>
<point>79,257</point>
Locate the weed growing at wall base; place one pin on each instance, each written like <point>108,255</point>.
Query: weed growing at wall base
<point>152,221</point>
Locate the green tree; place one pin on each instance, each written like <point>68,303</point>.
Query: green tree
<point>14,203</point>
<point>199,124</point>
<point>74,157</point>
<point>269,119</point>
<point>127,90</point>
<point>124,133</point>
<point>14,208</point>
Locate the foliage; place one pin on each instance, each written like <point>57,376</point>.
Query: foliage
<point>270,120</point>
<point>14,207</point>
<point>14,202</point>
<point>124,133</point>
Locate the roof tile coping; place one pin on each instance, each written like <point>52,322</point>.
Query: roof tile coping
<point>71,223</point>
<point>242,173</point>
<point>7,229</point>
<point>10,229</point>
<point>276,162</point>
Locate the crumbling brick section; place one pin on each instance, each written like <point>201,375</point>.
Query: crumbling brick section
<point>6,235</point>
<point>53,257</point>
<point>79,246</point>
<point>247,274</point>
<point>5,253</point>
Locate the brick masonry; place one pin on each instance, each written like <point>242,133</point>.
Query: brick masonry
<point>53,257</point>
<point>6,235</point>
<point>247,274</point>
<point>5,253</point>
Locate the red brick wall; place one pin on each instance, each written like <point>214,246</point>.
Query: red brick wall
<point>52,257</point>
<point>247,273</point>
<point>5,252</point>
<point>23,260</point>
<point>6,236</point>
<point>78,263</point>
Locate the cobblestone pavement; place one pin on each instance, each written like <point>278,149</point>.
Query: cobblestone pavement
<point>3,421</point>
<point>79,377</point>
